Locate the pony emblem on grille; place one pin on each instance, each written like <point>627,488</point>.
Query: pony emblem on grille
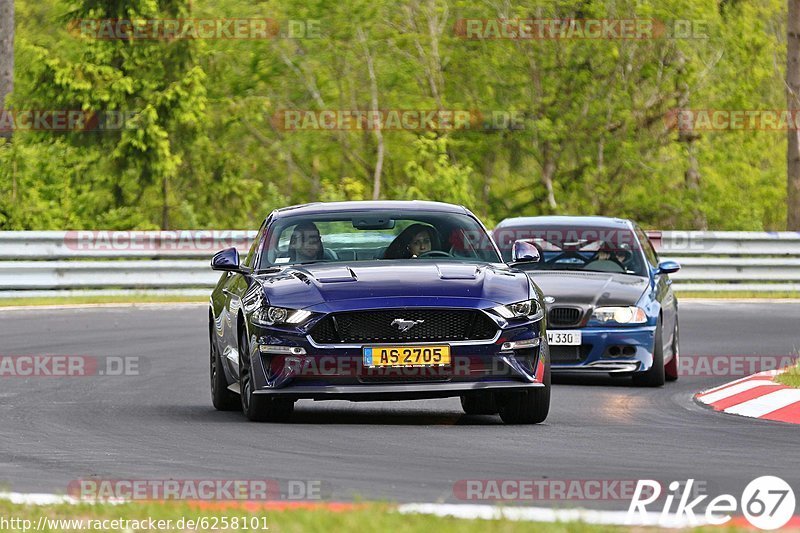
<point>405,325</point>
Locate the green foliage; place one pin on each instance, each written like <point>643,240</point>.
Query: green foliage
<point>201,148</point>
<point>433,176</point>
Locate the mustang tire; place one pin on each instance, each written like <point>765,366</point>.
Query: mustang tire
<point>482,403</point>
<point>529,407</point>
<point>255,407</point>
<point>221,397</point>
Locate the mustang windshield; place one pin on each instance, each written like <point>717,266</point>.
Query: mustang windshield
<point>376,235</point>
<point>595,249</point>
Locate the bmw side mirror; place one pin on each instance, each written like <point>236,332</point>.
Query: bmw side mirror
<point>525,252</point>
<point>227,260</point>
<point>668,267</point>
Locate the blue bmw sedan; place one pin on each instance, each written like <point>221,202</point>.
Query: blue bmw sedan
<point>380,301</point>
<point>610,304</point>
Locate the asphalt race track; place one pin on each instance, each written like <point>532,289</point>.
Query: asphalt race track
<point>161,424</point>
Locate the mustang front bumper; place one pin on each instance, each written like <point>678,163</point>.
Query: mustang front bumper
<point>338,372</point>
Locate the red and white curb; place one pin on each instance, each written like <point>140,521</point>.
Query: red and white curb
<point>756,396</point>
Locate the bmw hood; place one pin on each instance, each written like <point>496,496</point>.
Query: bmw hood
<point>325,287</point>
<point>590,288</point>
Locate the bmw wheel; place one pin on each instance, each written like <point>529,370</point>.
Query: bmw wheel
<point>671,370</point>
<point>654,377</point>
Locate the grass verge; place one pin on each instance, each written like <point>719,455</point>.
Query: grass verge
<point>790,378</point>
<point>286,518</point>
<point>732,295</point>
<point>78,300</point>
<point>155,298</point>
<point>355,517</point>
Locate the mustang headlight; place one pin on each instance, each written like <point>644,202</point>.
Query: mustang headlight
<point>270,316</point>
<point>620,315</point>
<point>525,309</point>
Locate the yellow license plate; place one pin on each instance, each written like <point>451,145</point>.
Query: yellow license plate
<point>406,355</point>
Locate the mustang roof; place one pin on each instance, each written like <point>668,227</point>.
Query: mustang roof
<point>398,205</point>
<point>591,221</point>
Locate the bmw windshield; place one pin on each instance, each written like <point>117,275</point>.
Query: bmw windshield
<point>594,249</point>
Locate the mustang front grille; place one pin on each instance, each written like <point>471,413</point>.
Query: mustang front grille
<point>403,325</point>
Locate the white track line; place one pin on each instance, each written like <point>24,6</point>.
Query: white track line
<point>758,407</point>
<point>764,373</point>
<point>37,498</point>
<point>544,514</point>
<point>713,397</point>
<point>63,307</point>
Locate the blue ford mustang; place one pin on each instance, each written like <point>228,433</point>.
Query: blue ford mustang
<point>611,307</point>
<point>377,301</point>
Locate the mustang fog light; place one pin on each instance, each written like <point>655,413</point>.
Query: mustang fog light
<point>521,345</point>
<point>286,350</point>
<point>620,315</point>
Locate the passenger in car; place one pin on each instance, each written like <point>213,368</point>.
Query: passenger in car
<point>412,242</point>
<point>305,243</point>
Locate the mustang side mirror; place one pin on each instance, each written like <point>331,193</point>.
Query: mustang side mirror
<point>525,252</point>
<point>227,260</point>
<point>668,267</point>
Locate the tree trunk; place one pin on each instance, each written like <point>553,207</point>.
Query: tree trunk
<point>6,52</point>
<point>165,204</point>
<point>373,86</point>
<point>793,101</point>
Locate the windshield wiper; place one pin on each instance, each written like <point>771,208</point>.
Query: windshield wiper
<point>310,262</point>
<point>270,270</point>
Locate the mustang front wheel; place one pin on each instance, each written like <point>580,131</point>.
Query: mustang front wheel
<point>257,408</point>
<point>221,397</point>
<point>529,407</point>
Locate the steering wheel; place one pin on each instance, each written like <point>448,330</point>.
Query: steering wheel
<point>568,254</point>
<point>434,253</point>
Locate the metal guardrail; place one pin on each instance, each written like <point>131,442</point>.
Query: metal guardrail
<point>177,262</point>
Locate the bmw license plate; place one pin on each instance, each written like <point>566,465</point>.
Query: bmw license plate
<point>406,355</point>
<point>564,337</point>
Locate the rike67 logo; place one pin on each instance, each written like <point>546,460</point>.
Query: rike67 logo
<point>768,502</point>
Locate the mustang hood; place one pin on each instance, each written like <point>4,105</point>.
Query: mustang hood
<point>590,288</point>
<point>397,283</point>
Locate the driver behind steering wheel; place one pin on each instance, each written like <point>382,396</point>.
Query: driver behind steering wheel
<point>608,259</point>
<point>412,242</point>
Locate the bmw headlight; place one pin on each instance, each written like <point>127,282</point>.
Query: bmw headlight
<point>525,309</point>
<point>620,315</point>
<point>270,316</point>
